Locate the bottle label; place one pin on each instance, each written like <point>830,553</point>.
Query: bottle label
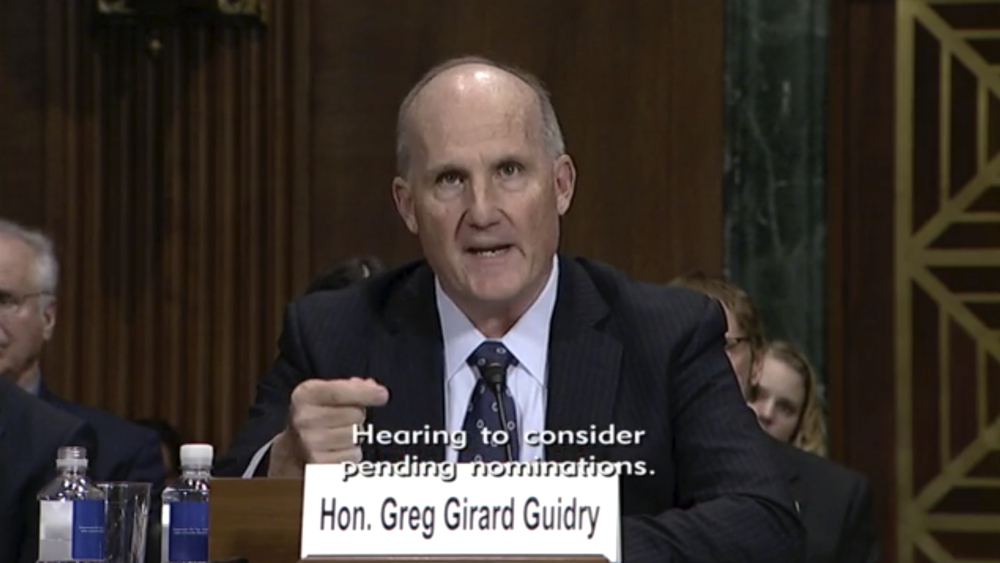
<point>188,535</point>
<point>88,529</point>
<point>55,530</point>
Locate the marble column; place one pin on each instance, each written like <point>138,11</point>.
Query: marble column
<point>775,175</point>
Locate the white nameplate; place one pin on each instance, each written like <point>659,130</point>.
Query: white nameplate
<point>458,509</point>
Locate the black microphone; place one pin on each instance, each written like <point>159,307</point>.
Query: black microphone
<point>495,375</point>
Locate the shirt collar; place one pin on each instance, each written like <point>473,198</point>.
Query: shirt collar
<point>528,339</point>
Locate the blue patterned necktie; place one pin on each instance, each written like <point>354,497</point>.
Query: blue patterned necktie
<point>483,409</point>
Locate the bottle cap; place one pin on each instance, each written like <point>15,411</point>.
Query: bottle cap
<point>71,457</point>
<point>197,455</point>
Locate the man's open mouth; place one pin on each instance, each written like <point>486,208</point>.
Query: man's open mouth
<point>491,251</point>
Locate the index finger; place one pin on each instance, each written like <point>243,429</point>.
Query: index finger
<point>344,392</point>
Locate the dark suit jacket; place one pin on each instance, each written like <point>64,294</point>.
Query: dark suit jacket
<point>835,505</point>
<point>129,452</point>
<point>636,355</point>
<point>31,433</point>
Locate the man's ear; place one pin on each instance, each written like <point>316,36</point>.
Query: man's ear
<point>49,318</point>
<point>565,182</point>
<point>402,194</point>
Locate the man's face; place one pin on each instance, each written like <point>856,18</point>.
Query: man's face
<point>483,193</point>
<point>738,349</point>
<point>26,317</point>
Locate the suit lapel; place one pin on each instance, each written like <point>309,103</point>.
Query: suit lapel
<point>584,362</point>
<point>408,358</point>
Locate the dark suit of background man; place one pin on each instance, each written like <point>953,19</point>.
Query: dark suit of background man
<point>483,179</point>
<point>31,433</point>
<point>835,502</point>
<point>345,273</point>
<point>28,280</point>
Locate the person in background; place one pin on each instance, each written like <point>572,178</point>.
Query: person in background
<point>786,398</point>
<point>29,276</point>
<point>346,273</point>
<point>834,502</point>
<point>170,444</point>
<point>745,337</point>
<point>31,433</point>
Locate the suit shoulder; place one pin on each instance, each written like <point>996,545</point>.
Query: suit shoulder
<point>636,299</point>
<point>54,418</point>
<point>364,299</point>
<point>823,470</point>
<point>22,409</point>
<point>39,418</point>
<point>110,427</point>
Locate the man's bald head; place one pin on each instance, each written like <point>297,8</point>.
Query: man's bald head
<point>470,78</point>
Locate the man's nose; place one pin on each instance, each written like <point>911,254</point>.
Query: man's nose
<point>483,211</point>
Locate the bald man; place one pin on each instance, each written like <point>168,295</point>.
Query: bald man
<point>482,180</point>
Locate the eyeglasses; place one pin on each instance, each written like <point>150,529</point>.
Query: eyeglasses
<point>11,304</point>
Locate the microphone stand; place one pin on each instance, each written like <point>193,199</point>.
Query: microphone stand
<point>496,376</point>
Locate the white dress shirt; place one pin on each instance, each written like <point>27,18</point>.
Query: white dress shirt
<point>527,340</point>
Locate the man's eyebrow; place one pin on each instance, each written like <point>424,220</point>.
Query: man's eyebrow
<point>510,157</point>
<point>438,169</point>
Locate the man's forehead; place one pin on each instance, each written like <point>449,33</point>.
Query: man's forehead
<point>15,259</point>
<point>500,134</point>
<point>473,112</point>
<point>459,129</point>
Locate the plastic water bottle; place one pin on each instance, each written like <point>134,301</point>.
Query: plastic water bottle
<point>72,513</point>
<point>185,508</point>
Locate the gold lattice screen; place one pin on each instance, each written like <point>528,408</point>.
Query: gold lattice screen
<point>948,280</point>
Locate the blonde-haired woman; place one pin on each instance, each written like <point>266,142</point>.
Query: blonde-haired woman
<point>786,398</point>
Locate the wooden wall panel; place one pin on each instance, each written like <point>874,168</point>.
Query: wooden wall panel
<point>915,270</point>
<point>950,261</point>
<point>176,199</point>
<point>862,368</point>
<point>637,86</point>
<point>22,116</point>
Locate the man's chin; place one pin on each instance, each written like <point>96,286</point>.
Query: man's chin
<point>494,292</point>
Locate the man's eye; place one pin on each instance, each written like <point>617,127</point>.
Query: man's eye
<point>449,178</point>
<point>509,169</point>
<point>7,299</point>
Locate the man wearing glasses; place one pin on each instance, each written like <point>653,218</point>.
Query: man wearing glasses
<point>833,502</point>
<point>29,274</point>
